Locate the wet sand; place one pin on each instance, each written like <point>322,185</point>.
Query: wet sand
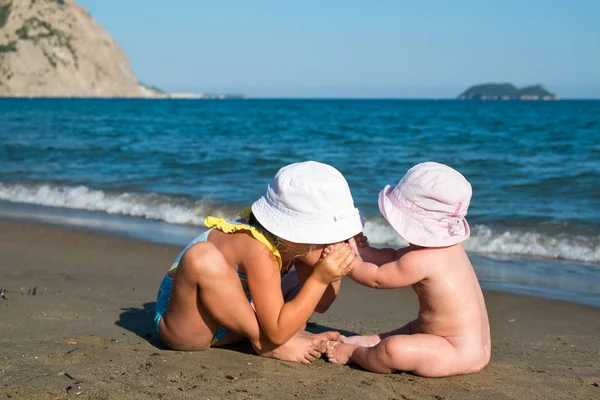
<point>87,332</point>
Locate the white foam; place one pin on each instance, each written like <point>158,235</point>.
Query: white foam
<point>578,248</point>
<point>484,240</point>
<point>141,205</point>
<point>381,233</point>
<point>183,211</point>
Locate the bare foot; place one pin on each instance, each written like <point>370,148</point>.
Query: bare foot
<point>365,341</point>
<point>326,336</point>
<point>339,353</point>
<point>303,347</point>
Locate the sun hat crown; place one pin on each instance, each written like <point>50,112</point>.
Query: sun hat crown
<point>309,202</point>
<point>429,205</point>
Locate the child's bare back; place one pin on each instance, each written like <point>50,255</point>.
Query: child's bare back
<point>451,333</point>
<point>450,298</point>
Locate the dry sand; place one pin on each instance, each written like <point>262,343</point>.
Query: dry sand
<point>88,333</point>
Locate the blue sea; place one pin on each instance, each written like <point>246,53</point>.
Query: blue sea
<point>154,169</point>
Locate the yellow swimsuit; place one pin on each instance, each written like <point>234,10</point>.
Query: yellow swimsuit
<point>164,291</point>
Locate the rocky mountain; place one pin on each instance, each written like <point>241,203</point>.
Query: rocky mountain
<point>54,48</point>
<point>506,91</point>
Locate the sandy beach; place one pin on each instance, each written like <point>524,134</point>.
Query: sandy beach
<point>77,322</point>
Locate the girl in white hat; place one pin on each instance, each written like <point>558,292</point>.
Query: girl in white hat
<point>451,334</point>
<point>227,284</point>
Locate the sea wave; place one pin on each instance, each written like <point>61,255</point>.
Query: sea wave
<point>506,241</point>
<point>151,206</point>
<point>185,211</point>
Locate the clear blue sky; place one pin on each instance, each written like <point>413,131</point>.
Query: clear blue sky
<point>352,48</point>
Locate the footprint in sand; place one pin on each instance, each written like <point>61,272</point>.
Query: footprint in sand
<point>60,316</point>
<point>91,341</point>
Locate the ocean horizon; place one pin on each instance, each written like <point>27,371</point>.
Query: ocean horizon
<point>309,98</point>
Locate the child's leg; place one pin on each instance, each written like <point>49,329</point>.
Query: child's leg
<point>422,354</point>
<point>290,286</point>
<point>203,279</point>
<point>206,293</point>
<point>372,340</point>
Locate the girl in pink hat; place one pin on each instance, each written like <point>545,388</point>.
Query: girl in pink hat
<point>232,282</point>
<point>451,334</point>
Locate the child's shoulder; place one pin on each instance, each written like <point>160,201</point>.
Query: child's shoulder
<point>431,257</point>
<point>239,239</point>
<point>241,247</point>
<point>247,245</point>
<point>420,256</point>
<point>244,237</point>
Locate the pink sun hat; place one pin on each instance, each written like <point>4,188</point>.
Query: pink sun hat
<point>428,206</point>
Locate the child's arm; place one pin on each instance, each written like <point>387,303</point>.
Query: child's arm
<point>361,248</point>
<point>395,274</point>
<point>381,256</point>
<point>304,270</point>
<point>279,320</point>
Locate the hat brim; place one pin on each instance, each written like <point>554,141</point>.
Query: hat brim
<point>317,231</point>
<point>415,231</point>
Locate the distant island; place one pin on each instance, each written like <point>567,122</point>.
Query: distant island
<point>506,91</point>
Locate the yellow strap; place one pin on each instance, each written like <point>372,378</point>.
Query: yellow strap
<point>246,212</point>
<point>228,227</point>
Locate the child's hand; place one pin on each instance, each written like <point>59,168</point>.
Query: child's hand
<point>330,249</point>
<point>335,263</point>
<point>357,242</point>
<point>361,240</point>
<point>355,248</point>
<point>358,261</point>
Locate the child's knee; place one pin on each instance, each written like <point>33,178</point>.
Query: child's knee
<point>425,355</point>
<point>202,260</point>
<point>393,349</point>
<point>477,359</point>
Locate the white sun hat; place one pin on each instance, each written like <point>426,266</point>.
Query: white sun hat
<point>429,205</point>
<point>309,202</point>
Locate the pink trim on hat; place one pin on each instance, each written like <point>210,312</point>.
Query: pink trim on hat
<point>457,209</point>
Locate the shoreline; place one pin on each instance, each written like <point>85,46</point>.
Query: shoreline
<point>568,280</point>
<point>89,330</point>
